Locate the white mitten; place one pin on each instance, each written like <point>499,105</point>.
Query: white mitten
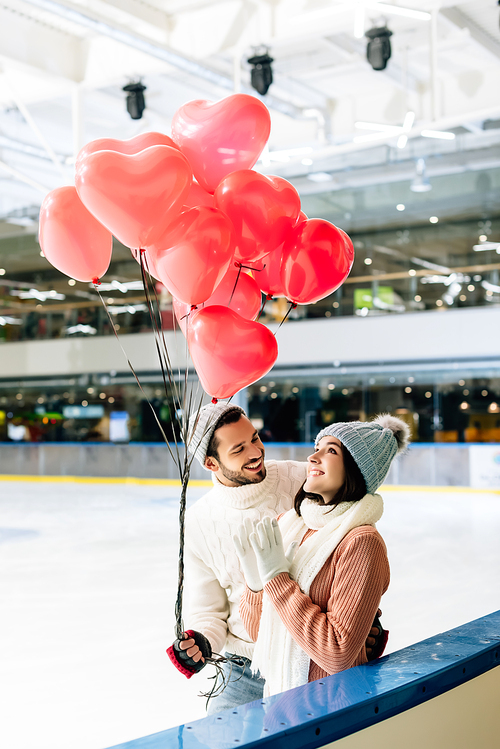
<point>247,557</point>
<point>267,542</point>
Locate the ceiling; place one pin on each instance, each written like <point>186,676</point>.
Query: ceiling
<point>63,66</point>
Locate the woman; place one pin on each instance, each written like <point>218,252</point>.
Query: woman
<point>319,605</point>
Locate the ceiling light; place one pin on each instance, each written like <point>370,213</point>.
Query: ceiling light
<point>483,237</point>
<point>464,405</point>
<point>412,272</point>
<point>320,177</point>
<point>420,183</point>
<point>307,162</point>
<point>400,207</point>
<point>402,141</point>
<point>433,219</point>
<point>2,271</point>
<point>493,408</point>
<point>261,76</point>
<point>71,282</point>
<point>417,298</point>
<point>136,104</point>
<point>368,261</point>
<point>484,246</point>
<point>439,134</point>
<point>378,49</point>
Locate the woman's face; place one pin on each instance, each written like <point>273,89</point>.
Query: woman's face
<point>325,469</point>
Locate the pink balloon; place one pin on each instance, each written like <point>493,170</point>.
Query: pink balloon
<point>262,209</point>
<point>237,291</point>
<point>222,137</point>
<point>269,278</point>
<point>229,352</point>
<point>194,254</point>
<point>136,196</point>
<point>198,196</point>
<point>348,244</point>
<point>147,261</point>
<point>132,145</point>
<point>72,240</point>
<point>315,262</point>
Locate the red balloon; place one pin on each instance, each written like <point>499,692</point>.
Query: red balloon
<point>269,278</point>
<point>222,137</point>
<point>133,145</point>
<point>136,196</point>
<point>72,240</point>
<point>237,290</point>
<point>147,261</point>
<point>194,254</point>
<point>348,243</point>
<point>315,261</point>
<point>198,196</point>
<point>229,352</point>
<point>262,209</point>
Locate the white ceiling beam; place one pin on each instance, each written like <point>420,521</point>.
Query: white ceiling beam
<point>26,41</point>
<point>459,19</point>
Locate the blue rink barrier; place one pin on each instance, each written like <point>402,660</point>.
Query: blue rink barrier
<point>344,704</point>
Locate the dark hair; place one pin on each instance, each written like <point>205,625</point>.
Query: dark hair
<point>352,490</point>
<point>230,417</point>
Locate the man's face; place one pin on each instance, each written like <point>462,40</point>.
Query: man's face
<point>241,454</point>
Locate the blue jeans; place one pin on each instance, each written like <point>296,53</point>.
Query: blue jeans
<point>242,687</point>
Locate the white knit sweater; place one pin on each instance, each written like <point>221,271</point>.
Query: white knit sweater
<point>214,581</point>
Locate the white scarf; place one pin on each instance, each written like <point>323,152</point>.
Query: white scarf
<point>280,660</point>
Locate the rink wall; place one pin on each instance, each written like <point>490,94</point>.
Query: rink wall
<point>441,693</point>
<point>429,464</point>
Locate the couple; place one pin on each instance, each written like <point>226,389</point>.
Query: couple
<point>310,614</point>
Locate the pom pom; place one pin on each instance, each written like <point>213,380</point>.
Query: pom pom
<point>398,427</point>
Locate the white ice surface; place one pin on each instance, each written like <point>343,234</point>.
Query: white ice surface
<point>87,586</point>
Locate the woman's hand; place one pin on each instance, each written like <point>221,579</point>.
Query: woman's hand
<point>267,543</point>
<point>246,555</point>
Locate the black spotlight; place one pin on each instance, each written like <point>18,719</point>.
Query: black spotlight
<point>136,103</point>
<point>262,73</point>
<point>378,49</point>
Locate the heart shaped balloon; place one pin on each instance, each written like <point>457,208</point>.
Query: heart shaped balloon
<point>269,277</point>
<point>229,352</point>
<point>315,261</point>
<point>132,145</point>
<point>147,261</point>
<point>237,290</point>
<point>262,209</point>
<point>194,255</point>
<point>198,196</point>
<point>72,240</point>
<point>136,196</point>
<point>222,137</point>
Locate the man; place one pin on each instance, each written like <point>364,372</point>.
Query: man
<point>226,443</point>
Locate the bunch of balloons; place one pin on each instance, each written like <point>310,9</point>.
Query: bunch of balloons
<point>216,233</point>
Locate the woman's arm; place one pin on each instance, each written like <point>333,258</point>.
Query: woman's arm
<point>251,611</point>
<point>357,578</point>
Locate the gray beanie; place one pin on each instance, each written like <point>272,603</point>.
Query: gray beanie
<point>202,426</point>
<point>372,444</point>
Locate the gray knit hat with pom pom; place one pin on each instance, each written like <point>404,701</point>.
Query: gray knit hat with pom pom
<point>372,444</point>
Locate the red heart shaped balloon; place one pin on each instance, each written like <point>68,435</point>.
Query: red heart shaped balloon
<point>237,290</point>
<point>229,352</point>
<point>219,138</point>
<point>269,277</point>
<point>315,261</point>
<point>198,196</point>
<point>136,196</point>
<point>262,209</point>
<point>147,261</point>
<point>132,145</point>
<point>194,255</point>
<point>72,240</point>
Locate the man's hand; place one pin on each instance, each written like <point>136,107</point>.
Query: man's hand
<point>377,639</point>
<point>188,655</point>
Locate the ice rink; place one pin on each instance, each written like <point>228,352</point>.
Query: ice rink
<point>88,575</point>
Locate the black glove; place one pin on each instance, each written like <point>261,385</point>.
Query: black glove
<point>181,659</point>
<point>380,640</point>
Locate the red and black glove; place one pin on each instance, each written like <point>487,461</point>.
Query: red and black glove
<point>181,659</point>
<point>380,640</point>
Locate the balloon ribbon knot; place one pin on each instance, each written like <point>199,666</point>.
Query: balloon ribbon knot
<point>214,401</point>
<point>96,281</point>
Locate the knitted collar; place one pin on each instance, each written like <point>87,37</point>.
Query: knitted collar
<point>316,516</point>
<point>249,495</point>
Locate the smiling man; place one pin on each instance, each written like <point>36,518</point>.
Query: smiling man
<point>226,443</point>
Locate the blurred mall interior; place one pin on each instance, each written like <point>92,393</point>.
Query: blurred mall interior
<point>406,159</point>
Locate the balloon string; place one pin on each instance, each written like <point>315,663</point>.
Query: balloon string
<point>292,306</point>
<point>235,284</point>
